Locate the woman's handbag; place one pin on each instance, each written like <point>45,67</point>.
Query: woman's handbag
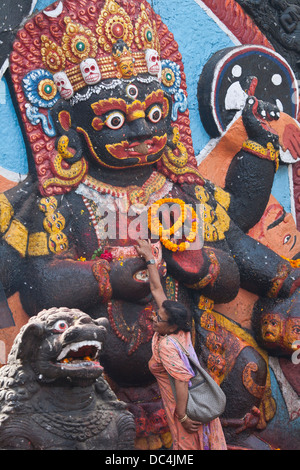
<point>206,400</point>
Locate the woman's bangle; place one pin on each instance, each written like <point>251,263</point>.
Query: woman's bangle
<point>182,420</point>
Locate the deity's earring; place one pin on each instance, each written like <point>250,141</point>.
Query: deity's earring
<point>175,156</point>
<point>66,175</point>
<point>68,168</point>
<point>176,153</point>
<point>61,114</point>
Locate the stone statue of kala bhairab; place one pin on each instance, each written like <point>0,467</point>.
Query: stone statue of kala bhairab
<point>102,96</point>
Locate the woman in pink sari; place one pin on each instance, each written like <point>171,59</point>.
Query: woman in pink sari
<point>171,323</point>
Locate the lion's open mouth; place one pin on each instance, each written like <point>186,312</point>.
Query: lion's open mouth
<point>83,353</point>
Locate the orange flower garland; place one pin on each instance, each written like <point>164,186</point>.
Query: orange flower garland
<point>295,263</point>
<point>164,234</point>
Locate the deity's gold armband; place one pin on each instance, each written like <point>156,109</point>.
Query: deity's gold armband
<point>268,152</point>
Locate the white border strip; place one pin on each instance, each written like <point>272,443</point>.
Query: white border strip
<point>34,2</point>
<point>12,175</point>
<point>217,20</point>
<point>4,68</point>
<point>292,197</point>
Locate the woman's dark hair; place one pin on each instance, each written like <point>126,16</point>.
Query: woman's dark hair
<point>178,315</point>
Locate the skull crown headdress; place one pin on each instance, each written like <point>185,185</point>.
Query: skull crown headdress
<point>89,43</point>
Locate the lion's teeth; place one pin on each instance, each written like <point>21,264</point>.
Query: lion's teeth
<point>76,346</point>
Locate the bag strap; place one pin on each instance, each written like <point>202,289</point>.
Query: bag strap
<point>183,349</point>
<point>194,363</point>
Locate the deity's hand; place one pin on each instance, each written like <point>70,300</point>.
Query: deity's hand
<point>250,420</point>
<point>129,279</point>
<point>257,116</point>
<point>289,135</point>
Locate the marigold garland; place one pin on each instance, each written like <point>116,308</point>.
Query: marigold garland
<point>295,263</point>
<point>164,234</point>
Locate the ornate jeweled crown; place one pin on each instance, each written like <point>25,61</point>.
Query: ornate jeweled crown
<point>107,49</point>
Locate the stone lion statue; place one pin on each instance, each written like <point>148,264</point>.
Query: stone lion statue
<point>52,393</point>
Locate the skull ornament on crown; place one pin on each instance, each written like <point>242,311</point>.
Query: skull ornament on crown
<point>90,71</point>
<point>63,85</point>
<point>153,62</point>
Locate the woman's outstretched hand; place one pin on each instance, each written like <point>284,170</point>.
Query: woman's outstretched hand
<point>144,249</point>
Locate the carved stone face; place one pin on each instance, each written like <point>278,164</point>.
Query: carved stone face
<point>126,67</point>
<point>278,231</point>
<point>127,126</point>
<point>291,333</point>
<point>54,222</point>
<point>153,62</point>
<point>90,71</point>
<point>271,328</point>
<point>63,84</point>
<point>58,242</point>
<point>69,348</point>
<point>276,324</point>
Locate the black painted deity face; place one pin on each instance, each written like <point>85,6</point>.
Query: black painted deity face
<point>126,126</point>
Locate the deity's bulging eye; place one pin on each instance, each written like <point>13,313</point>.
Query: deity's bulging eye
<point>60,326</point>
<point>155,114</point>
<point>132,91</point>
<point>115,120</point>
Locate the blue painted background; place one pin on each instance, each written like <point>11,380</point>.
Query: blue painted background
<point>198,37</point>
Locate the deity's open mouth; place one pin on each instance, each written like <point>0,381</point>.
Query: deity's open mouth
<point>81,354</point>
<point>141,150</point>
